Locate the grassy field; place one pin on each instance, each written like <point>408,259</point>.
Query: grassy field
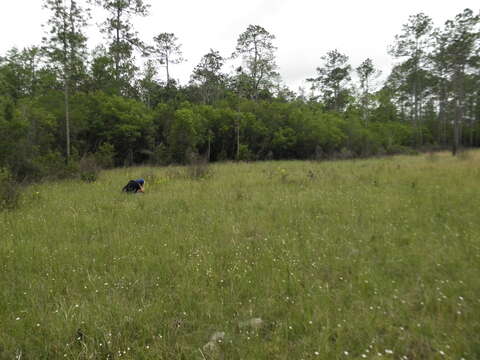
<point>375,259</point>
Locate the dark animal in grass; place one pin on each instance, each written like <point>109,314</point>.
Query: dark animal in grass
<point>134,186</point>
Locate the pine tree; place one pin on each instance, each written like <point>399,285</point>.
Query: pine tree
<point>65,45</point>
<point>168,51</point>
<point>255,47</point>
<point>457,56</point>
<point>412,46</point>
<point>122,38</point>
<point>332,78</point>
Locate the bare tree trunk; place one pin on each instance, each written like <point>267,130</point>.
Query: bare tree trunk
<point>67,120</point>
<point>168,73</point>
<point>238,141</point>
<point>209,147</point>
<point>237,128</point>
<point>66,75</point>
<point>255,64</point>
<point>117,42</point>
<point>441,116</point>
<point>456,135</point>
<point>472,130</point>
<point>457,128</point>
<point>460,89</point>
<point>415,117</point>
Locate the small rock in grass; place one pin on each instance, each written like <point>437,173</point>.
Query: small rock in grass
<point>212,347</point>
<point>217,336</point>
<point>254,324</point>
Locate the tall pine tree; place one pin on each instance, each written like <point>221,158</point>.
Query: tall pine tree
<point>122,38</point>
<point>65,46</point>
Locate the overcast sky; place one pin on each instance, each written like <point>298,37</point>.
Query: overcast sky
<point>305,29</point>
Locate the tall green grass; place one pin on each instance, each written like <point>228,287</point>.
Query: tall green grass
<point>371,259</point>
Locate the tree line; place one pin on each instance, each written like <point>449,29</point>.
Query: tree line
<point>61,102</point>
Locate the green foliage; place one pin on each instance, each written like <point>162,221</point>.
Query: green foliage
<point>244,153</point>
<point>122,40</point>
<point>255,47</point>
<point>105,156</point>
<point>168,51</point>
<point>124,123</point>
<point>55,102</point>
<point>13,132</point>
<point>89,168</point>
<point>332,79</point>
<point>161,155</point>
<point>283,143</point>
<point>65,45</point>
<point>208,76</point>
<point>183,135</point>
<point>50,165</point>
<point>9,190</point>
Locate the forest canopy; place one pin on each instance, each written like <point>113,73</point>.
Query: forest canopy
<point>61,102</point>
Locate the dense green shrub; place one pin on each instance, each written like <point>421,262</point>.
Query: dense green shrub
<point>105,156</point>
<point>9,190</point>
<point>396,149</point>
<point>89,168</point>
<point>160,155</point>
